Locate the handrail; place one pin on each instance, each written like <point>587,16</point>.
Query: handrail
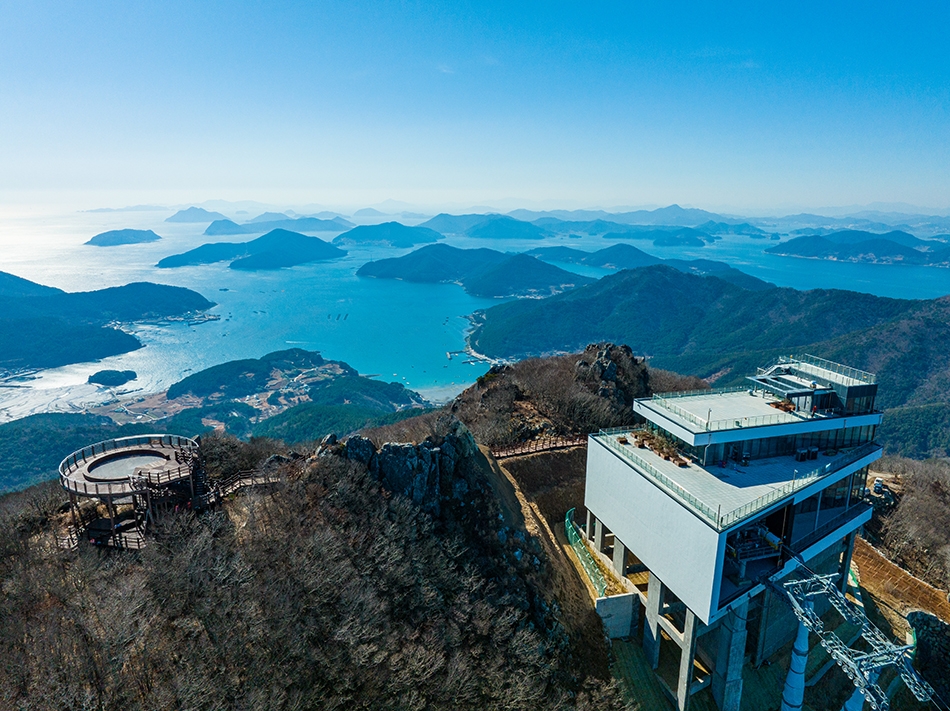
<point>799,482</point>
<point>134,482</point>
<point>716,517</point>
<point>861,376</point>
<point>158,441</point>
<point>587,560</point>
<point>706,391</point>
<point>648,468</point>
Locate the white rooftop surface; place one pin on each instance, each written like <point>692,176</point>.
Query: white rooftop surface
<point>729,488</point>
<point>729,406</point>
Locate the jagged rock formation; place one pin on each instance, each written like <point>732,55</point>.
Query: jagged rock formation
<point>617,374</point>
<point>559,396</point>
<point>427,473</point>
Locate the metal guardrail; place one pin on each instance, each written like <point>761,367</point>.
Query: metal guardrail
<point>652,471</point>
<point>716,517</point>
<point>799,482</point>
<point>727,423</point>
<point>156,441</point>
<point>135,482</point>
<point>587,560</point>
<point>861,376</point>
<point>544,444</point>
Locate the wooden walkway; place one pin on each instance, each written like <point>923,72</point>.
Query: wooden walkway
<point>542,444</point>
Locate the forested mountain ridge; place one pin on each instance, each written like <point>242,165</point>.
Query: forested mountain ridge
<point>705,326</point>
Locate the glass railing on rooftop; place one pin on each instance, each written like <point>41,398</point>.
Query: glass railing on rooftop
<point>719,519</point>
<point>726,423</point>
<point>858,376</point>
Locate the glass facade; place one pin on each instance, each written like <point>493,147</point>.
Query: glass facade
<point>828,441</point>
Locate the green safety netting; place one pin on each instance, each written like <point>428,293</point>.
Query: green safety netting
<point>583,554</point>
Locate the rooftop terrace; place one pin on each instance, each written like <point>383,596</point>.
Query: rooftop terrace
<point>726,496</point>
<point>723,409</point>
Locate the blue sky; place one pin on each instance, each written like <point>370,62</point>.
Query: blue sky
<point>739,106</point>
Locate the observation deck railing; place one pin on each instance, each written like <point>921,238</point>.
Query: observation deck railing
<point>861,376</point>
<point>728,423</point>
<point>134,482</point>
<point>715,516</point>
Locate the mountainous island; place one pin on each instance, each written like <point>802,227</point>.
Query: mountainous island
<point>195,214</point>
<point>277,249</point>
<point>45,327</point>
<point>482,272</point>
<point>114,238</point>
<point>894,247</point>
<point>625,256</point>
<point>393,234</point>
<point>273,220</point>
<point>490,226</point>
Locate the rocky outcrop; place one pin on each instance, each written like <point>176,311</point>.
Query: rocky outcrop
<point>427,473</point>
<point>613,372</point>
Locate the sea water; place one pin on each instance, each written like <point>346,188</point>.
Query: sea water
<point>394,330</point>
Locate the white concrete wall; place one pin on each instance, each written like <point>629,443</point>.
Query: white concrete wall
<point>619,613</point>
<point>673,542</point>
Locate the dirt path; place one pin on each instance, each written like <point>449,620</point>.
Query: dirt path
<point>568,588</point>
<point>895,591</point>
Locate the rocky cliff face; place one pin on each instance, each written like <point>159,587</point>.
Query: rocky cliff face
<point>427,473</point>
<point>612,372</point>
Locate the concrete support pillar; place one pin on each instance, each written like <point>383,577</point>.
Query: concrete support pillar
<point>687,657</point>
<point>620,557</point>
<point>651,626</point>
<point>846,561</point>
<point>589,527</point>
<point>727,676</point>
<point>794,694</point>
<point>598,535</point>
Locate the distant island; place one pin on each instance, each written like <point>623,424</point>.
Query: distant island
<point>113,238</point>
<point>277,249</point>
<point>894,247</point>
<point>625,256</point>
<point>482,272</point>
<point>486,226</point>
<point>666,237</point>
<point>273,220</point>
<point>195,214</point>
<point>394,234</point>
<point>44,327</point>
<point>112,378</point>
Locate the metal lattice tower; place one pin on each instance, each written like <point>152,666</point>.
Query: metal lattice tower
<point>863,667</point>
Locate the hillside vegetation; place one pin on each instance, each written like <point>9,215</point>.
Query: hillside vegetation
<point>333,592</point>
<point>710,328</point>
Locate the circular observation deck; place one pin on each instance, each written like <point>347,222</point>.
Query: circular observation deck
<point>128,465</point>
